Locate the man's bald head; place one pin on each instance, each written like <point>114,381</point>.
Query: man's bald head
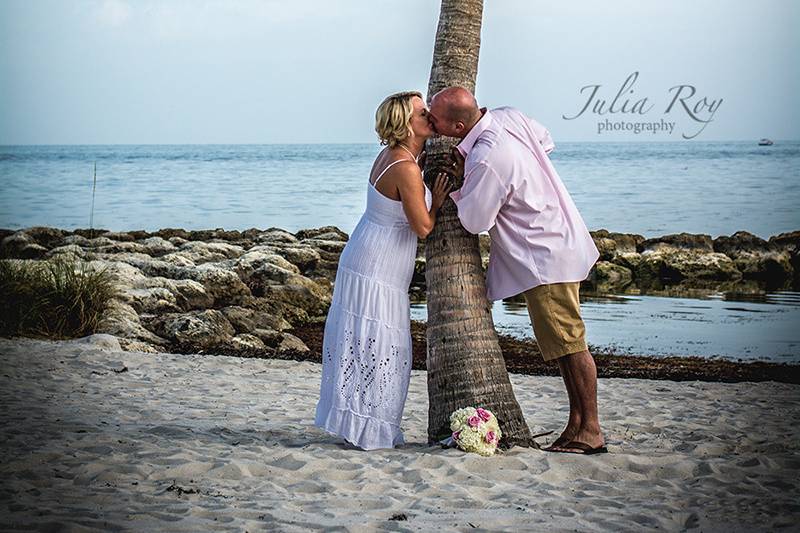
<point>454,111</point>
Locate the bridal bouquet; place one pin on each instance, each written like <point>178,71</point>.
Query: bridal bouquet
<point>475,430</point>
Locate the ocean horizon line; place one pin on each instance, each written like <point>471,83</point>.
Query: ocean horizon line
<point>628,141</point>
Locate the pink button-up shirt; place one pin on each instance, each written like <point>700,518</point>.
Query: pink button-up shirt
<point>512,190</point>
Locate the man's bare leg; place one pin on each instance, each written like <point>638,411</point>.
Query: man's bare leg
<point>574,422</point>
<point>583,376</point>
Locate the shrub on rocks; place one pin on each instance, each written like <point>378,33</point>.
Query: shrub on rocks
<point>57,298</point>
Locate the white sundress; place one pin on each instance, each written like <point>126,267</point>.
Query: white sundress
<point>366,348</point>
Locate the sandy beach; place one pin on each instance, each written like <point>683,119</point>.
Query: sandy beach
<point>97,439</point>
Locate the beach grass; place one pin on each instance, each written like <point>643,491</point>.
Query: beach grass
<point>58,298</point>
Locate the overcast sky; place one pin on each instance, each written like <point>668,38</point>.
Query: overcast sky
<point>293,71</point>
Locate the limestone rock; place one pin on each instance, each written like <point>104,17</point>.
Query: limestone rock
<point>197,329</point>
<point>208,252</point>
<point>269,337</point>
<point>247,342</point>
<point>188,293</point>
<point>790,242</point>
<point>290,343</point>
<point>119,236</point>
<point>256,258</point>
<point>611,244</point>
<point>100,341</point>
<point>756,258</point>
<point>289,288</point>
<point>152,267</point>
<point>69,251</point>
<point>246,320</point>
<point>272,236</point>
<point>151,300</point>
<point>97,242</point>
<point>418,278</point>
<point>121,248</point>
<point>609,277</point>
<point>78,240</point>
<point>629,260</point>
<point>126,275</point>
<point>304,257</point>
<point>169,233</point>
<point>223,285</point>
<point>157,246</point>
<point>607,248</point>
<point>331,233</point>
<point>129,345</point>
<point>681,241</point>
<point>122,321</point>
<point>45,236</point>
<point>672,265</point>
<point>220,234</point>
<point>21,246</point>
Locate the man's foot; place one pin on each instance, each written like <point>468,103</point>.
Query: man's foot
<point>560,441</point>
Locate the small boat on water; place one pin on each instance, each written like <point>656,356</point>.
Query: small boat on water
<point>765,142</point>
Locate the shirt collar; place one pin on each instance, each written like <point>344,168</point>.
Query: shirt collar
<point>468,141</point>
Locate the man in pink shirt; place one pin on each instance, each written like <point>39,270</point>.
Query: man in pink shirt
<point>540,246</point>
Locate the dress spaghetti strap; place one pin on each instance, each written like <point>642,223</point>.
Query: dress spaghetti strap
<point>390,165</point>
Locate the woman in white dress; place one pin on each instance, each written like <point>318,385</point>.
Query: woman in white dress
<point>366,349</point>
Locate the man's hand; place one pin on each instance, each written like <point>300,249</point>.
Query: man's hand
<point>455,163</point>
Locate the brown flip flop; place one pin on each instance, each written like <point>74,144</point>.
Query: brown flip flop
<point>560,441</point>
<point>577,445</point>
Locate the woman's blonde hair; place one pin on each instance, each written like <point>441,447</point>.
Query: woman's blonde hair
<point>393,118</point>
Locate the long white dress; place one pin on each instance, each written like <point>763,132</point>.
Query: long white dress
<point>366,349</point>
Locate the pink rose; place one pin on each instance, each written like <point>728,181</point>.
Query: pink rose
<point>474,421</point>
<point>490,437</point>
<point>484,414</point>
<point>456,434</point>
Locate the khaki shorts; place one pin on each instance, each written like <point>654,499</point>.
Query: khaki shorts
<point>556,316</point>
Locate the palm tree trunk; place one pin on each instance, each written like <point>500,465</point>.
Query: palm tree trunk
<point>465,364</point>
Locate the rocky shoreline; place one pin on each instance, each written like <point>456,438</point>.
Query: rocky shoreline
<point>265,292</point>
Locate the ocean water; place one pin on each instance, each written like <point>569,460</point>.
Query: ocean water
<point>648,188</point>
<point>652,189</point>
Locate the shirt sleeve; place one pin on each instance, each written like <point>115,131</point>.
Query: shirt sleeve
<point>480,198</point>
<point>543,134</point>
